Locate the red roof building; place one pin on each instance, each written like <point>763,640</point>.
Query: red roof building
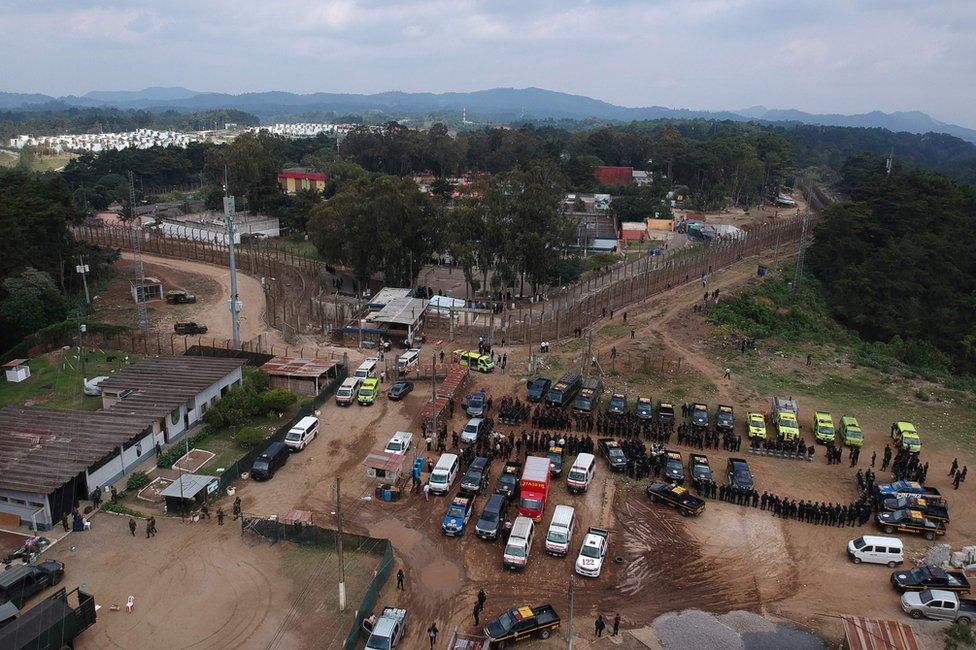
<point>614,175</point>
<point>301,178</point>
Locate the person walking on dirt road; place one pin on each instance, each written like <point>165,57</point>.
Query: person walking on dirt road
<point>954,468</point>
<point>616,624</point>
<point>476,611</point>
<point>728,374</point>
<point>204,512</point>
<point>132,526</point>
<point>399,583</point>
<point>482,597</point>
<point>427,491</point>
<point>237,507</point>
<point>150,527</point>
<point>599,625</point>
<point>432,634</point>
<point>220,516</point>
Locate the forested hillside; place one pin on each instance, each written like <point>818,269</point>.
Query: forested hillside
<point>897,259</point>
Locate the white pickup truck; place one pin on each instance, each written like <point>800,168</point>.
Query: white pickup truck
<point>387,631</point>
<point>594,549</point>
<point>938,604</point>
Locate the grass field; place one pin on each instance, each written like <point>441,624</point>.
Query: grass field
<point>304,248</point>
<point>40,163</point>
<point>944,416</point>
<point>56,380</point>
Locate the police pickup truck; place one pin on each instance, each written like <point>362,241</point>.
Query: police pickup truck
<point>699,416</point>
<point>644,408</point>
<point>930,577</point>
<point>899,488</point>
<point>677,497</point>
<point>910,521</point>
<point>665,414</point>
<point>724,418</point>
<point>612,451</point>
<point>521,623</point>
<point>934,509</point>
<point>674,469</point>
<point>699,469</point>
<point>508,481</point>
<point>457,516</point>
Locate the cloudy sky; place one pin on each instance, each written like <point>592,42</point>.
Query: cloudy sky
<point>821,55</point>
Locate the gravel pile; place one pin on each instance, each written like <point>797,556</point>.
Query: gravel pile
<point>938,555</point>
<point>745,622</point>
<point>695,629</point>
<point>783,637</point>
<point>737,630</point>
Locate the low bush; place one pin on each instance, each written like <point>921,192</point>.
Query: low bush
<point>120,509</point>
<point>250,437</point>
<point>137,481</point>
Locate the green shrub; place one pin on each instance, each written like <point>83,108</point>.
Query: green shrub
<point>277,400</point>
<point>249,437</point>
<point>256,379</point>
<point>137,481</point>
<point>120,509</point>
<point>306,403</point>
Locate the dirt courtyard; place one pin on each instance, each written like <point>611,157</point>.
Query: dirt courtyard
<point>204,586</point>
<point>200,585</point>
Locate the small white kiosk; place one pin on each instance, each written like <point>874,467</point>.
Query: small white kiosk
<point>17,370</point>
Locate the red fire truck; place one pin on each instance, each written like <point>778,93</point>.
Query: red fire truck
<point>534,487</point>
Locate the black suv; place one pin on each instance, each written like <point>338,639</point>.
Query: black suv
<point>739,475</point>
<point>537,389</point>
<point>490,523</point>
<point>475,480</point>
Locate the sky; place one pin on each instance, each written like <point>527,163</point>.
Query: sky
<point>820,56</point>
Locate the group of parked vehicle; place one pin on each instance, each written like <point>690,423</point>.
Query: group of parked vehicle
<point>528,487</point>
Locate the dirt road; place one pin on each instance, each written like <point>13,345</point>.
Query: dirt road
<point>212,309</point>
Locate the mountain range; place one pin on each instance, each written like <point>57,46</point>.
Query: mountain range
<point>496,105</point>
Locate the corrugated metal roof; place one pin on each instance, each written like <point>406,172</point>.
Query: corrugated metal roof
<point>187,485</point>
<point>869,634</point>
<point>41,449</point>
<point>298,367</point>
<point>161,384</point>
<point>400,311</point>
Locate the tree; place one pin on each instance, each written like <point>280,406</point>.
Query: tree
<point>898,259</point>
<point>378,224</point>
<point>31,302</point>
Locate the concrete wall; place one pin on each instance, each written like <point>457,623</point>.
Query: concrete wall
<point>209,397</point>
<point>9,503</point>
<point>120,464</point>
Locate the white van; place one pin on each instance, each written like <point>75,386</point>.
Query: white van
<point>561,531</point>
<point>876,550</point>
<point>408,359</point>
<point>400,442</point>
<point>519,544</point>
<point>581,473</point>
<point>346,394</point>
<point>302,433</point>
<point>444,474</point>
<point>367,368</point>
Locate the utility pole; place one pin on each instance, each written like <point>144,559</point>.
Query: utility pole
<point>83,269</point>
<point>82,328</point>
<point>571,585</point>
<point>342,568</point>
<point>235,303</point>
<point>140,272</point>
<point>799,258</point>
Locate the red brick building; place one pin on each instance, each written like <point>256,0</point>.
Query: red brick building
<point>614,175</point>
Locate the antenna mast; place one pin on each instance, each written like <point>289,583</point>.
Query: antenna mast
<point>235,303</point>
<point>139,271</point>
